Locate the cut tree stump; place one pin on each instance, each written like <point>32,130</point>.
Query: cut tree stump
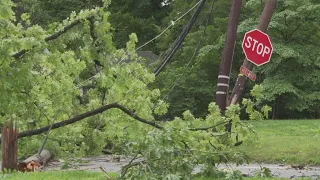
<point>33,163</point>
<point>9,147</point>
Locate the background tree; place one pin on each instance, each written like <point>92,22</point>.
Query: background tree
<point>294,32</point>
<point>291,79</point>
<point>143,17</point>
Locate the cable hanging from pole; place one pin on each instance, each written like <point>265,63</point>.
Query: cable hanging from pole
<point>194,53</point>
<point>180,39</point>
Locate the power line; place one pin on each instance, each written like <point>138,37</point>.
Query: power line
<point>180,38</point>
<point>172,24</point>
<point>194,53</point>
<point>148,42</point>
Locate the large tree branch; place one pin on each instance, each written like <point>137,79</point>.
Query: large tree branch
<point>207,128</point>
<point>304,20</point>
<point>93,36</point>
<point>98,111</point>
<point>290,35</point>
<point>85,115</point>
<point>54,36</point>
<point>130,113</point>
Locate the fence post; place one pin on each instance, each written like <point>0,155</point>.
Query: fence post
<point>9,146</point>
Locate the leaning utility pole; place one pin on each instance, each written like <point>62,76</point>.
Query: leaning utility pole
<point>264,21</point>
<point>227,56</point>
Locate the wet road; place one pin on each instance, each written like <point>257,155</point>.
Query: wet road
<point>108,164</point>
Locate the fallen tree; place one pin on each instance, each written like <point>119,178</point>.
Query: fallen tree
<point>34,162</point>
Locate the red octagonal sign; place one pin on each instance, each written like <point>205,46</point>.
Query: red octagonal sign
<point>257,47</point>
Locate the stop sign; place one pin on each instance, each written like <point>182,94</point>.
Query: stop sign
<point>257,47</point>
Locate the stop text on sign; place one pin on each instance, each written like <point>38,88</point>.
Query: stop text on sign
<point>257,47</point>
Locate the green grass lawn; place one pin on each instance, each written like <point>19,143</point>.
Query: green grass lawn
<point>82,175</point>
<point>250,178</point>
<point>286,141</point>
<point>59,175</point>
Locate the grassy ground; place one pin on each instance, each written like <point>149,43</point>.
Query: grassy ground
<point>82,175</point>
<point>287,142</point>
<point>59,175</point>
<point>255,178</point>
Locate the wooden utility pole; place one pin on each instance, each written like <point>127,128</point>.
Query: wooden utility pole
<point>227,56</point>
<point>264,21</point>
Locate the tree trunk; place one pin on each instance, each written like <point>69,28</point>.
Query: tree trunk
<point>276,108</point>
<point>9,147</point>
<point>34,162</point>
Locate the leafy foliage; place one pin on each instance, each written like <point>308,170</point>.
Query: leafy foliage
<point>176,150</point>
<point>291,77</point>
<point>263,172</point>
<point>47,76</point>
<point>143,17</point>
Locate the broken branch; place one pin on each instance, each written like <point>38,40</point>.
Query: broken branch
<point>207,128</point>
<point>85,115</point>
<point>98,111</point>
<point>54,36</point>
